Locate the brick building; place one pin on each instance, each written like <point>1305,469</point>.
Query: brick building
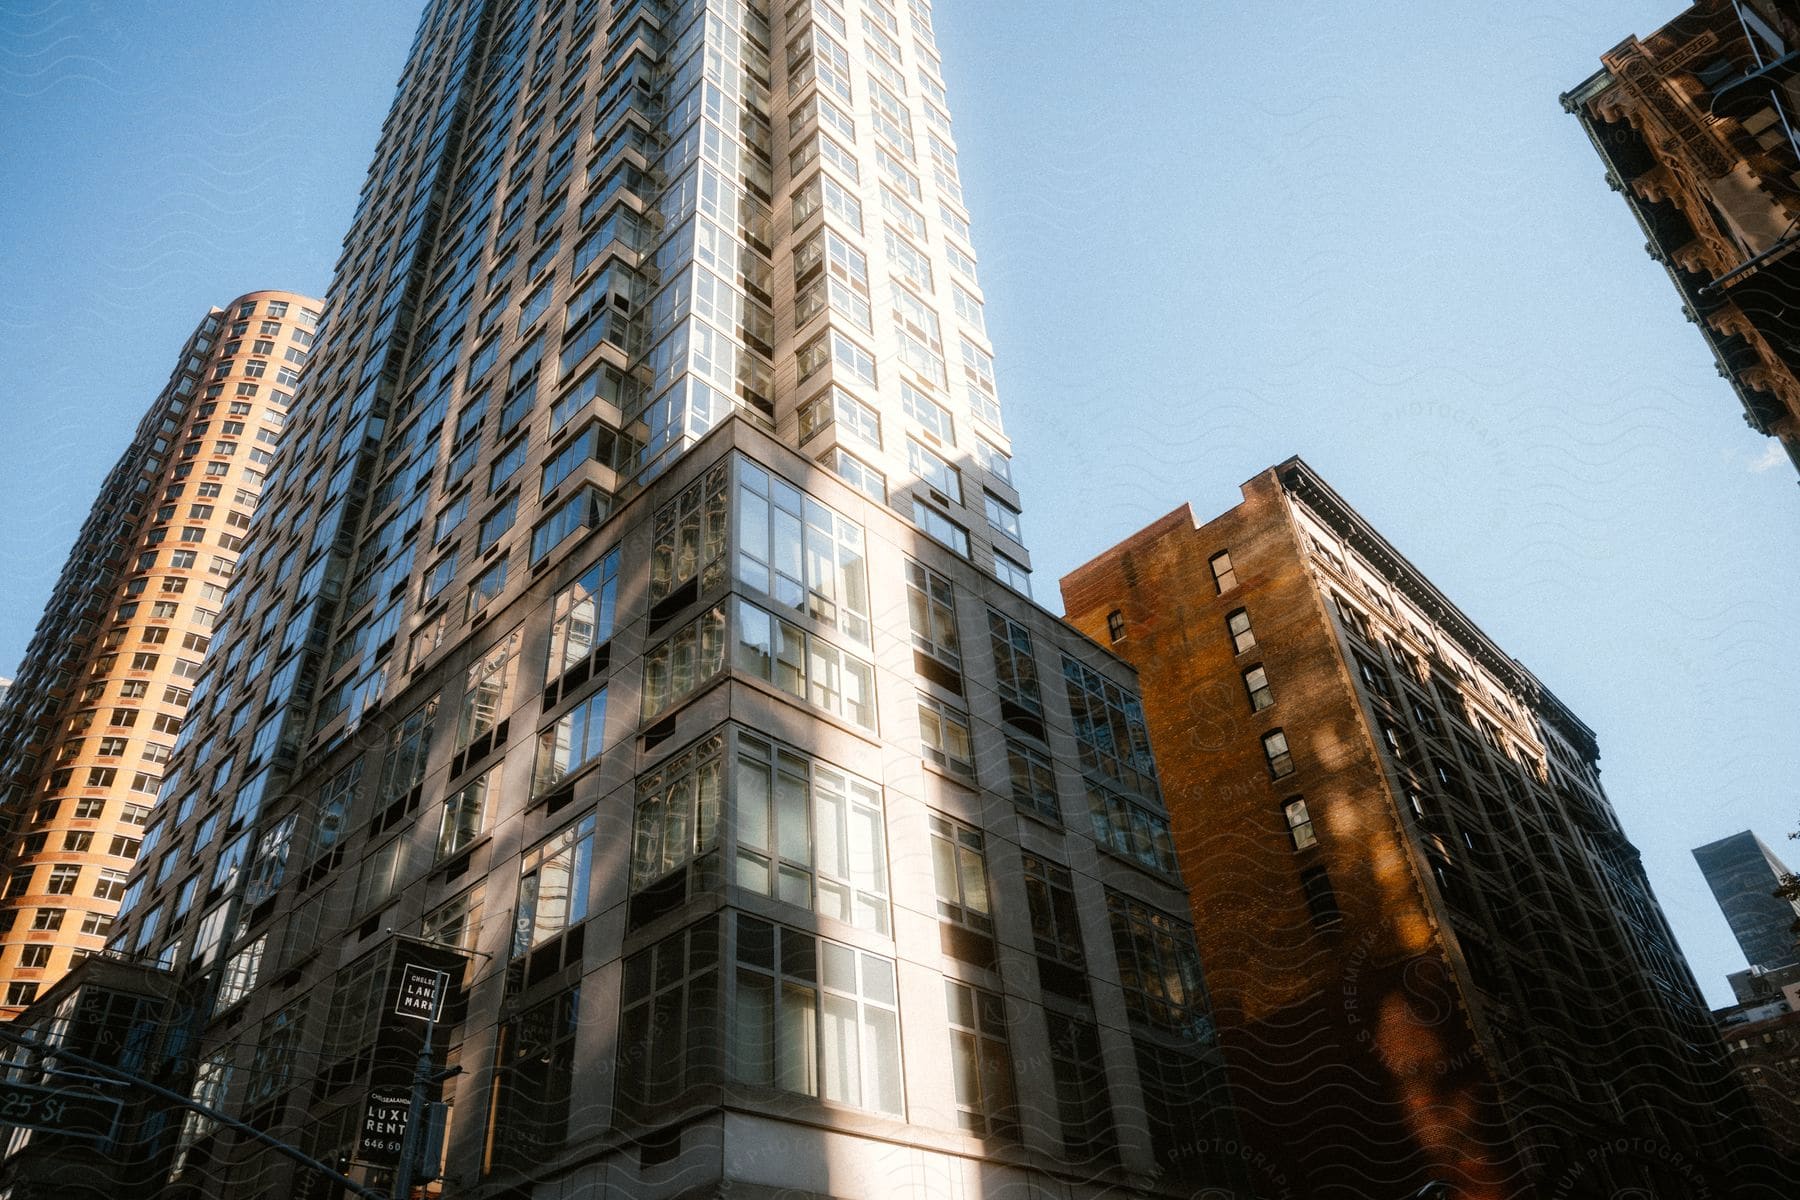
<point>1433,952</point>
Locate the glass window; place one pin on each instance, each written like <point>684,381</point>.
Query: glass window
<point>981,1061</point>
<point>1242,636</point>
<point>809,834</point>
<point>1015,665</point>
<point>408,746</point>
<point>569,744</point>
<point>804,665</point>
<point>534,1082</point>
<point>690,537</point>
<point>487,689</point>
<point>959,866</point>
<point>800,552</point>
<point>940,526</point>
<point>461,824</point>
<point>1256,685</point>
<point>1275,749</point>
<point>934,471</point>
<point>1033,781</point>
<point>1159,968</point>
<point>1055,923</point>
<point>582,617</point>
<point>931,610</point>
<point>1126,826</point>
<point>553,887</point>
<point>1224,577</point>
<point>669,1019</point>
<point>687,659</point>
<point>1299,823</point>
<point>815,1017</point>
<point>944,736</point>
<point>1109,725</point>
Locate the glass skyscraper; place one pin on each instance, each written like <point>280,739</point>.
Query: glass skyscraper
<point>637,619</point>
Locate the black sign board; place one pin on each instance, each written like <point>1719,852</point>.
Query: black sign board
<point>383,1128</point>
<point>421,992</point>
<point>73,1110</point>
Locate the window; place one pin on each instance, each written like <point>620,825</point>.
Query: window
<point>1109,725</point>
<point>931,609</point>
<point>583,510</point>
<point>1159,968</point>
<point>62,880</point>
<point>1055,924</point>
<point>269,865</point>
<point>940,526</point>
<point>497,523</point>
<point>77,841</point>
<point>944,737</point>
<point>857,474</point>
<point>1082,1104</point>
<point>570,744</point>
<point>1256,685</point>
<point>1242,636</point>
<point>1299,823</point>
<point>669,1020</point>
<point>815,1017</point>
<point>456,923</point>
<point>20,994</point>
<point>485,586</point>
<point>800,552</point>
<point>850,415</point>
<point>110,885</point>
<point>462,820</point>
<point>804,665</point>
<point>934,471</point>
<point>1015,665</point>
<point>583,617</point>
<point>534,1082</point>
<point>959,865</point>
<point>1126,826</point>
<point>1002,516</point>
<point>981,1061</point>
<point>1321,900</point>
<point>407,750</point>
<point>1275,749</point>
<point>488,688</point>
<point>1033,781</point>
<point>1115,625</point>
<point>808,834</point>
<point>553,887</point>
<point>683,662</point>
<point>35,956</point>
<point>1224,577</point>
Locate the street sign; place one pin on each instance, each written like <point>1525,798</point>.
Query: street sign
<point>421,995</point>
<point>383,1128</point>
<point>75,1110</point>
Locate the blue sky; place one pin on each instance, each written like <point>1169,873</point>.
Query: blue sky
<point>1211,237</point>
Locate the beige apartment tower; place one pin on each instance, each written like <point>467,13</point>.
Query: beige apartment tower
<point>91,721</point>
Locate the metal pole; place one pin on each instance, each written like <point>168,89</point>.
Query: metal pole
<point>192,1105</point>
<point>415,1105</point>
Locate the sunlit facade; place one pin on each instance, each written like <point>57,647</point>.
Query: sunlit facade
<point>1433,952</point>
<point>103,691</point>
<point>638,615</point>
<point>1696,125</point>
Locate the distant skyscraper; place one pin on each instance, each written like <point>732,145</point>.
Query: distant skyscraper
<point>1433,952</point>
<point>104,688</point>
<point>1696,125</point>
<point>638,622</point>
<point>1743,874</point>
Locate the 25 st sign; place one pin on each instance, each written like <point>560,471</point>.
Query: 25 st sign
<point>74,1110</point>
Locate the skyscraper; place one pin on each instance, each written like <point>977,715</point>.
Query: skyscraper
<point>1743,874</point>
<point>104,688</point>
<point>637,627</point>
<point>1696,124</point>
<point>1433,951</point>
